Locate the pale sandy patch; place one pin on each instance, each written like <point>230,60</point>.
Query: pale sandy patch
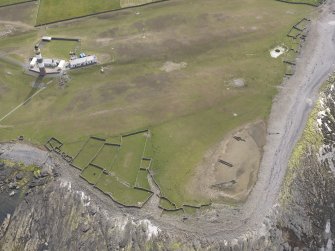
<point>220,182</point>
<point>171,66</point>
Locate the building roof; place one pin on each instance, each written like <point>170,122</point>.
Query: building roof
<point>83,60</point>
<point>46,38</point>
<point>33,60</point>
<point>49,61</point>
<point>61,64</point>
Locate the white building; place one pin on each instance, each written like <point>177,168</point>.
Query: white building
<point>78,62</point>
<point>61,65</point>
<point>46,38</point>
<point>48,62</point>
<point>33,62</point>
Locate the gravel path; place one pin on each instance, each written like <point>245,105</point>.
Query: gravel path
<point>288,117</point>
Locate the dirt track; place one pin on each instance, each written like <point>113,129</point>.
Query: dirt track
<point>288,116</point>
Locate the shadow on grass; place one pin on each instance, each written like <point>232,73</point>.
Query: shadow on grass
<point>36,86</point>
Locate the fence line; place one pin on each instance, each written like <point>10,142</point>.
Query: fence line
<point>97,13</point>
<point>11,4</point>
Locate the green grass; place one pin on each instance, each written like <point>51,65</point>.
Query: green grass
<point>88,152</point>
<point>51,10</point>
<point>295,47</point>
<point>290,56</point>
<point>24,13</point>
<point>129,157</point>
<point>54,144</point>
<point>106,157</point>
<point>148,152</point>
<point>302,25</point>
<point>198,130</point>
<point>165,204</point>
<point>294,33</point>
<point>142,180</point>
<point>120,193</point>
<point>72,148</point>
<point>59,49</point>
<point>91,174</point>
<point>145,164</point>
<point>188,111</point>
<point>114,140</point>
<point>14,89</point>
<point>5,2</point>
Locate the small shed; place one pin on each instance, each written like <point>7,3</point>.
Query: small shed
<point>46,38</point>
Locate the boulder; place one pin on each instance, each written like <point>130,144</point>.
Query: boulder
<point>19,176</point>
<point>44,174</point>
<point>12,185</point>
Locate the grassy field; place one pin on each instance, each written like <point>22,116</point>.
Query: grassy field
<point>91,174</point>
<point>142,180</point>
<point>145,164</point>
<point>106,157</point>
<point>114,168</point>
<point>188,111</point>
<point>129,157</point>
<point>51,10</point>
<point>6,2</point>
<point>88,153</point>
<point>53,144</point>
<point>60,49</point>
<point>165,204</point>
<point>23,13</point>
<point>72,148</point>
<point>123,194</point>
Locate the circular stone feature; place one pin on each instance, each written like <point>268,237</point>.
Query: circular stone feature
<point>277,51</point>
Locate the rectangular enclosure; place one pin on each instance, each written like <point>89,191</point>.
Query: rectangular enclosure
<point>142,180</point>
<point>88,152</point>
<point>129,157</point>
<point>122,194</point>
<point>91,174</point>
<point>106,156</point>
